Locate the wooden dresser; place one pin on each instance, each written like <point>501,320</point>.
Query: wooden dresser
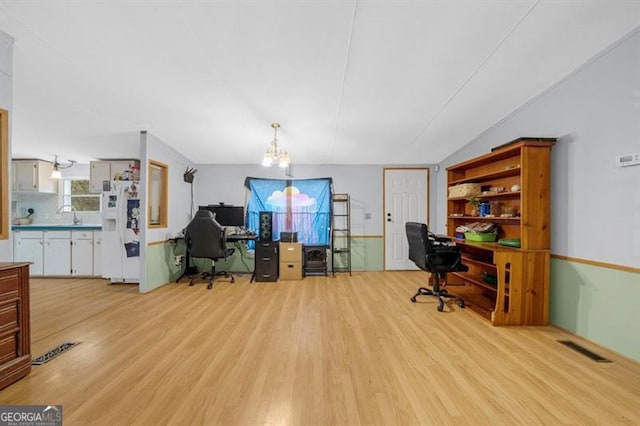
<point>15,336</point>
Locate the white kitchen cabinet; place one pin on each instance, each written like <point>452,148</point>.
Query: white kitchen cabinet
<point>57,253</point>
<point>33,176</point>
<point>97,253</point>
<point>24,175</point>
<point>82,253</point>
<point>118,168</point>
<point>99,171</point>
<point>28,247</point>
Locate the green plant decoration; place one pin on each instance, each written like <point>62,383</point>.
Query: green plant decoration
<point>474,202</point>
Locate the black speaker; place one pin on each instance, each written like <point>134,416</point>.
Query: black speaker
<point>266,226</point>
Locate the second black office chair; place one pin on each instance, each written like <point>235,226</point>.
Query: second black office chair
<point>431,254</point>
<point>206,239</point>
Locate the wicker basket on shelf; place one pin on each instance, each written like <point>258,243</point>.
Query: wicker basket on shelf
<point>464,190</point>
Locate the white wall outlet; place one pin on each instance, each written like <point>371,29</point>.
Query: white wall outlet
<point>628,160</point>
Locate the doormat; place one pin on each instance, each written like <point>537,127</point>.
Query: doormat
<point>584,351</point>
<point>43,359</point>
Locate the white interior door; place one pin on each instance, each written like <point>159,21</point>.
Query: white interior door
<point>406,199</point>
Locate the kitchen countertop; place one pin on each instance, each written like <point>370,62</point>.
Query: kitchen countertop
<point>57,227</point>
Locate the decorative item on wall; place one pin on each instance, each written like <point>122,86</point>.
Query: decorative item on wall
<point>273,154</point>
<point>297,205</point>
<point>57,166</point>
<point>189,174</point>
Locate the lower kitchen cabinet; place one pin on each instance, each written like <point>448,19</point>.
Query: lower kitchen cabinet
<point>29,247</point>
<point>59,253</point>
<point>82,253</point>
<point>97,253</point>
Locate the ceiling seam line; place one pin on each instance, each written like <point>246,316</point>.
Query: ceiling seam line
<point>198,39</point>
<point>475,71</point>
<point>39,36</point>
<point>344,79</point>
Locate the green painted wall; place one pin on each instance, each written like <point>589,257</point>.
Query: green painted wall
<point>160,263</point>
<point>599,304</point>
<point>367,255</point>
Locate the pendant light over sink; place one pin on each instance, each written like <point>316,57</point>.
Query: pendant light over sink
<point>57,166</point>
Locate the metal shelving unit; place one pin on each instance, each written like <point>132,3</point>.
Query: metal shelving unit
<point>341,233</point>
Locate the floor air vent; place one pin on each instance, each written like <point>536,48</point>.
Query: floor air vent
<point>43,359</point>
<point>584,351</point>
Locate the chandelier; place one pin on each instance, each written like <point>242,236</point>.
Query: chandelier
<point>273,154</point>
<point>57,166</point>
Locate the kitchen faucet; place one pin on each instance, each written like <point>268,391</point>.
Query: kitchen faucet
<point>76,220</point>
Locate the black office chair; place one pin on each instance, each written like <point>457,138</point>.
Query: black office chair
<point>431,254</point>
<point>205,238</point>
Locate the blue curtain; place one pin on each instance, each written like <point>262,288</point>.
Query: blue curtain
<point>298,205</point>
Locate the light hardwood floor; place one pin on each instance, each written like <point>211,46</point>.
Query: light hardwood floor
<point>322,351</point>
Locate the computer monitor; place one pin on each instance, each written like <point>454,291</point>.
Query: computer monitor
<point>226,215</point>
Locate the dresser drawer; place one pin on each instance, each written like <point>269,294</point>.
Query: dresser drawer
<point>8,348</point>
<point>9,284</point>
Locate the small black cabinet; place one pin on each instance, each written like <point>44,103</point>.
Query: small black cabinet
<point>267,261</point>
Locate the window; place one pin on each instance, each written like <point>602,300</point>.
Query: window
<point>75,192</point>
<point>158,194</point>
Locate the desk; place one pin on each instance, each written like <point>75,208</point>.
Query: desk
<point>236,238</point>
<point>233,238</point>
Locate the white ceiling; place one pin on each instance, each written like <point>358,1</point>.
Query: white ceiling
<point>351,82</point>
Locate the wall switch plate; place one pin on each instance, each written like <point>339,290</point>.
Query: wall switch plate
<point>628,160</point>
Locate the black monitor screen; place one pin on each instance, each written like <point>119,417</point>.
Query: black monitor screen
<point>226,215</point>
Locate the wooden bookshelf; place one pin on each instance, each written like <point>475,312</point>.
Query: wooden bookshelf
<point>521,294</point>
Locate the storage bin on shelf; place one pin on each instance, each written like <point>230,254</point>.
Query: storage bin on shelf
<point>486,237</point>
<point>478,231</point>
<point>464,190</point>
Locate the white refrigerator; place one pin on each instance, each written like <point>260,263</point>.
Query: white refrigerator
<point>120,230</point>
